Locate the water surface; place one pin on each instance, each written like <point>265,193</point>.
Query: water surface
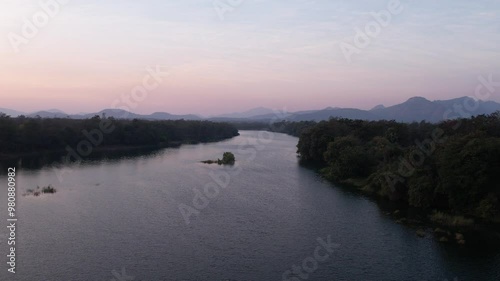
<point>123,213</point>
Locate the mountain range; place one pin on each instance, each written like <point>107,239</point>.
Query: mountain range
<point>414,109</point>
<point>115,113</point>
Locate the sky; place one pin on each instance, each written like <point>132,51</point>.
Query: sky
<point>232,55</point>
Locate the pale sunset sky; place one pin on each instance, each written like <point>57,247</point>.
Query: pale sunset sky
<point>282,54</point>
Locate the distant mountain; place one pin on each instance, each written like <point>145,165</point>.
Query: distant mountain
<point>414,109</point>
<point>168,116</point>
<point>115,113</point>
<point>326,114</point>
<point>380,106</point>
<point>123,114</point>
<point>258,111</point>
<point>54,110</point>
<point>483,107</point>
<point>11,112</point>
<point>419,109</point>
<point>49,114</point>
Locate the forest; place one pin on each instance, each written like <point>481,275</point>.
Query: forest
<point>452,166</point>
<point>28,135</point>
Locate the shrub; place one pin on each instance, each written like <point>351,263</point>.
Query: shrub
<point>228,158</point>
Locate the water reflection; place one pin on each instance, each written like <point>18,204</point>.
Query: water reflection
<point>121,209</point>
<point>58,159</point>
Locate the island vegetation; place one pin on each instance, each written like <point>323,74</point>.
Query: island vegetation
<point>452,167</point>
<point>227,159</point>
<point>44,190</point>
<point>24,135</point>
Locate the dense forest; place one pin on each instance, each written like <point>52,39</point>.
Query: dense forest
<point>26,135</point>
<point>452,166</point>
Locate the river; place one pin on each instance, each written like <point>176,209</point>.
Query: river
<point>166,216</point>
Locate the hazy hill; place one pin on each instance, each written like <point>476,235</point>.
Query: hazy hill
<point>414,109</point>
<point>49,114</point>
<point>325,114</point>
<point>11,112</point>
<point>123,114</point>
<point>168,116</point>
<point>115,113</point>
<point>418,109</point>
<point>258,111</point>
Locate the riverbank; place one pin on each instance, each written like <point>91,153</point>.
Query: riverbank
<point>274,208</point>
<point>451,167</point>
<point>39,159</point>
<point>110,148</point>
<point>25,136</point>
<point>429,223</point>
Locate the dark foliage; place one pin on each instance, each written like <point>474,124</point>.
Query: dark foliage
<point>453,165</point>
<point>228,158</point>
<point>27,135</point>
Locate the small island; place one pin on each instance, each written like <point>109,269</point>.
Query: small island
<point>227,159</point>
<point>44,190</point>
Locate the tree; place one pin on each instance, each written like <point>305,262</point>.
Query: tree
<point>347,158</point>
<point>228,158</point>
<point>421,191</point>
<point>458,171</point>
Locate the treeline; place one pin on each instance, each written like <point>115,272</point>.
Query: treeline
<point>292,128</point>
<point>287,127</point>
<point>452,166</point>
<point>26,135</point>
<point>250,125</point>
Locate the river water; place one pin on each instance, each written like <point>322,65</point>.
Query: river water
<point>166,216</point>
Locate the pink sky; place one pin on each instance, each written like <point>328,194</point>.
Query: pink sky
<point>279,55</point>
